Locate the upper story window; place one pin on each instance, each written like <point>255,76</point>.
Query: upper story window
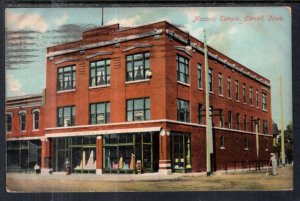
<point>236,90</point>
<point>229,119</point>
<point>220,84</point>
<point>265,124</point>
<point>137,66</point>
<point>222,141</point>
<point>183,110</point>
<point>221,118</point>
<point>100,113</point>
<point>22,118</point>
<point>8,118</point>
<point>264,101</point>
<point>245,122</point>
<point>199,76</point>
<point>251,124</point>
<point>100,72</point>
<point>244,93</point>
<point>250,95</point>
<point>257,98</point>
<point>66,77</point>
<point>246,143</point>
<point>66,116</point>
<point>229,87</point>
<point>182,69</point>
<point>200,116</point>
<point>237,121</point>
<point>36,119</point>
<point>138,109</point>
<point>210,77</point>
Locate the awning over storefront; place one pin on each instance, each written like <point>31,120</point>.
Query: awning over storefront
<point>103,132</point>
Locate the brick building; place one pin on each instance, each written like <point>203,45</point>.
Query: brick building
<point>119,97</point>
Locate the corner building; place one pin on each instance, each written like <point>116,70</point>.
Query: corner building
<point>119,99</point>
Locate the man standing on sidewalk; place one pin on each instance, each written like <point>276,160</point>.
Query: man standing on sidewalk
<point>273,160</point>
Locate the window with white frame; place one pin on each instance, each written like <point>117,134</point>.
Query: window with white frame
<point>200,113</point>
<point>229,119</point>
<point>183,110</point>
<point>138,109</point>
<point>8,119</point>
<point>237,121</point>
<point>257,98</point>
<point>36,120</point>
<point>229,87</point>
<point>100,113</point>
<point>250,95</point>
<point>66,77</point>
<point>22,119</point>
<point>100,72</point>
<point>221,118</point>
<point>66,116</point>
<point>264,101</point>
<point>210,79</point>
<point>222,141</point>
<point>220,84</point>
<point>137,66</point>
<point>244,92</point>
<point>265,124</point>
<point>236,90</point>
<point>246,143</point>
<point>182,69</point>
<point>200,76</point>
<point>245,122</point>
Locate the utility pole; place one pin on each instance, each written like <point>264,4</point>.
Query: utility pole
<point>257,141</point>
<point>102,16</point>
<point>208,123</point>
<point>282,127</point>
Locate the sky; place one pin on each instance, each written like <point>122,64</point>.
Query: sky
<point>257,37</point>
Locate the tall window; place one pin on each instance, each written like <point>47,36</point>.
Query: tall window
<point>265,124</point>
<point>251,124</point>
<point>200,76</point>
<point>182,69</point>
<point>22,121</point>
<point>246,144</point>
<point>229,87</point>
<point>220,84</point>
<point>66,78</point>
<point>264,101</point>
<point>137,66</point>
<point>100,113</point>
<point>245,122</point>
<point>138,109</point>
<point>221,118</point>
<point>36,119</point>
<point>256,98</point>
<point>222,141</point>
<point>100,72</point>
<point>250,95</point>
<point>183,110</point>
<point>200,117</point>
<point>244,92</point>
<point>229,119</point>
<point>8,122</point>
<point>236,90</point>
<point>210,77</point>
<point>66,116</point>
<point>237,121</point>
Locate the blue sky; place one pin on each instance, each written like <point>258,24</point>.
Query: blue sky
<point>263,46</point>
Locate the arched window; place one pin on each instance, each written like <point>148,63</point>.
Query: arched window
<point>8,118</point>
<point>36,119</point>
<point>222,141</point>
<point>22,120</point>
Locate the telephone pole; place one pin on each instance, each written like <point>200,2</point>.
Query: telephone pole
<point>282,127</point>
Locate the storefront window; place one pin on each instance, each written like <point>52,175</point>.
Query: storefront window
<point>122,151</point>
<point>181,152</point>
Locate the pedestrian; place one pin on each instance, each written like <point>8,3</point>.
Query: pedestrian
<point>36,169</point>
<point>68,167</point>
<point>273,161</point>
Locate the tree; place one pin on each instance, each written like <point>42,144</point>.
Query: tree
<point>288,143</point>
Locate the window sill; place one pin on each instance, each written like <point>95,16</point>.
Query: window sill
<point>211,92</point>
<point>200,89</point>
<point>185,84</point>
<point>23,131</point>
<point>245,103</point>
<point>221,95</point>
<point>137,81</point>
<point>251,106</point>
<point>246,149</point>
<point>266,149</point>
<point>265,110</point>
<point>237,101</point>
<point>230,99</point>
<point>99,86</point>
<point>222,147</point>
<point>66,91</point>
<point>35,130</point>
<point>257,107</point>
<point>8,132</point>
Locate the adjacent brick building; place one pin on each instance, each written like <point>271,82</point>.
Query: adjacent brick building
<point>119,97</point>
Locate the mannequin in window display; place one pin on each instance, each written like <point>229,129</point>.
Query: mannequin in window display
<point>139,74</point>
<point>68,166</point>
<point>132,161</point>
<point>188,160</point>
<point>121,162</point>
